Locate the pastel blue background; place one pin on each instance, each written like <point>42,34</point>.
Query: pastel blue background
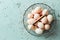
<point>11,15</point>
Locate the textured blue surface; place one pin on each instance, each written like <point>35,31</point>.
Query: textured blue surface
<point>11,15</point>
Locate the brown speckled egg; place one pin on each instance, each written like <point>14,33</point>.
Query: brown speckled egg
<point>36,16</point>
<point>30,15</point>
<point>40,25</point>
<point>47,26</point>
<point>44,20</point>
<point>34,28</point>
<point>45,12</point>
<point>30,21</point>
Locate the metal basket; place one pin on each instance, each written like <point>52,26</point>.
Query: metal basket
<point>44,6</point>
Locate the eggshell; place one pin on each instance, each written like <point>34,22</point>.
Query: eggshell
<point>37,10</point>
<point>47,26</point>
<point>30,27</point>
<point>30,21</point>
<point>34,28</point>
<point>39,31</point>
<point>30,15</point>
<point>36,16</point>
<point>45,12</point>
<point>44,20</point>
<point>40,25</point>
<point>50,18</point>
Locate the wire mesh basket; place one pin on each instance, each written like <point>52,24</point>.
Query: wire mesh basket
<point>44,6</point>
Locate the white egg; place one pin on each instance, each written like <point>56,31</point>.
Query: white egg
<point>50,18</point>
<point>39,31</point>
<point>36,16</point>
<point>30,21</point>
<point>30,15</point>
<point>45,12</point>
<point>37,10</point>
<point>44,20</point>
<point>40,25</point>
<point>30,27</point>
<point>47,26</point>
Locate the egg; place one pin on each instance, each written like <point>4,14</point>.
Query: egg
<point>38,31</point>
<point>50,18</point>
<point>44,20</point>
<point>30,15</point>
<point>30,27</point>
<point>33,28</point>
<point>36,16</point>
<point>47,26</point>
<point>45,12</point>
<point>30,21</point>
<point>37,10</point>
<point>40,25</point>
